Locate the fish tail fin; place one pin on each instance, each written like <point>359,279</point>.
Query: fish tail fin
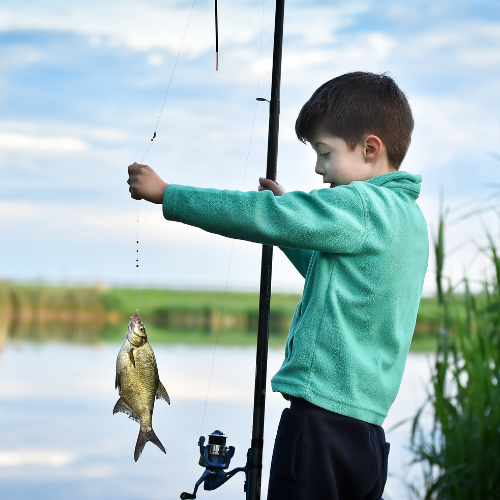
<point>143,438</point>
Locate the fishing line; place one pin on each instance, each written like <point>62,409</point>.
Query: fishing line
<point>137,259</point>
<point>151,142</point>
<point>170,81</point>
<point>232,244</point>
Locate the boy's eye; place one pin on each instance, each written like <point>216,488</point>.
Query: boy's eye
<point>324,155</point>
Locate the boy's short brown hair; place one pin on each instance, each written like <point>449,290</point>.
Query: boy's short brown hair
<point>356,104</point>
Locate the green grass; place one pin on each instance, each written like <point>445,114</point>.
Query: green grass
<point>152,300</point>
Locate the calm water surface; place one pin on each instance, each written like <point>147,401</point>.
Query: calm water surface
<point>59,439</point>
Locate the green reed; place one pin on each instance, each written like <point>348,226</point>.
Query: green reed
<point>461,452</point>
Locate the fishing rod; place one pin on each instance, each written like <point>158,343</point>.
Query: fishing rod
<point>215,456</point>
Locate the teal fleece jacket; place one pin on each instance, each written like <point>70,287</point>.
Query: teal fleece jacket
<point>362,249</point>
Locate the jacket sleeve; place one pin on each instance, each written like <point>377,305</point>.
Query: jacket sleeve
<point>299,258</point>
<point>327,220</point>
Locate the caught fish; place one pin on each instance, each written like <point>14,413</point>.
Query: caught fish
<point>138,383</point>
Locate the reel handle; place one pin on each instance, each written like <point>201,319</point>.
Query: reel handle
<point>185,495</point>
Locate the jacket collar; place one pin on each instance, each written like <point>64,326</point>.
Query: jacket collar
<point>398,179</point>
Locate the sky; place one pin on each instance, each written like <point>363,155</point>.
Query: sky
<point>82,86</point>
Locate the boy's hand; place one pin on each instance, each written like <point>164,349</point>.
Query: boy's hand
<point>269,185</point>
<point>145,184</point>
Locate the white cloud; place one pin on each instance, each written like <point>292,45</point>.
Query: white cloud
<point>366,51</point>
<point>49,135</point>
<point>447,128</point>
<point>49,458</point>
<point>140,25</point>
<point>467,42</point>
<point>146,25</point>
<point>81,222</point>
<point>107,135</point>
<point>31,143</point>
<point>155,59</point>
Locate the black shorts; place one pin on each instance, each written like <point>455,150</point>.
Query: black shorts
<point>322,455</point>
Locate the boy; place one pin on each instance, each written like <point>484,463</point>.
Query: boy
<point>362,248</point>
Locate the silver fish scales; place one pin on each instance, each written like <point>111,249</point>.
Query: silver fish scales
<point>138,383</point>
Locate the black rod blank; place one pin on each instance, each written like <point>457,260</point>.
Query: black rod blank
<point>255,452</point>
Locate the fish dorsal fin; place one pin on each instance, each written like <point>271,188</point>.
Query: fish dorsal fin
<point>117,382</point>
<point>122,406</point>
<point>161,393</point>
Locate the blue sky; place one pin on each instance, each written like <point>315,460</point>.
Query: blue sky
<point>82,84</point>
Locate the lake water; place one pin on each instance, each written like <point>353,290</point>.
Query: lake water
<point>59,439</point>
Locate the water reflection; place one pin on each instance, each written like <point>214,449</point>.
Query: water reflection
<point>59,439</point>
<point>100,329</point>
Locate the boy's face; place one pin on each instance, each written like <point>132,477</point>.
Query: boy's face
<point>336,162</point>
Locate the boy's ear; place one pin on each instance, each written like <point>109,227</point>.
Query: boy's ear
<point>372,148</point>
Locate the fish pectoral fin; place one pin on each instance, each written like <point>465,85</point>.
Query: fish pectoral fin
<point>122,406</point>
<point>142,439</point>
<point>161,393</point>
<point>131,356</point>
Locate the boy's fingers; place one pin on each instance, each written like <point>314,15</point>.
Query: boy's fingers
<point>269,185</point>
<point>132,178</point>
<point>133,194</point>
<point>264,181</point>
<point>134,171</point>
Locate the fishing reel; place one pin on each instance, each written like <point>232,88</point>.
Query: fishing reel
<point>215,457</point>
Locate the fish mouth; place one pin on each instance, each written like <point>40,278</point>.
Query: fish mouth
<point>136,330</point>
<point>135,318</point>
<point>136,325</point>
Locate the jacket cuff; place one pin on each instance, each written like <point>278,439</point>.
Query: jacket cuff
<point>168,204</point>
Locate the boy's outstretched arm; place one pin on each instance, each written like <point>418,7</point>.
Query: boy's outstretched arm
<point>327,220</point>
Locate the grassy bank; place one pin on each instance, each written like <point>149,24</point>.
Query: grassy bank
<point>39,312</point>
<point>205,310</point>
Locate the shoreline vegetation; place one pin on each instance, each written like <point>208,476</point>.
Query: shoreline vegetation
<point>459,453</point>
<point>39,312</point>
